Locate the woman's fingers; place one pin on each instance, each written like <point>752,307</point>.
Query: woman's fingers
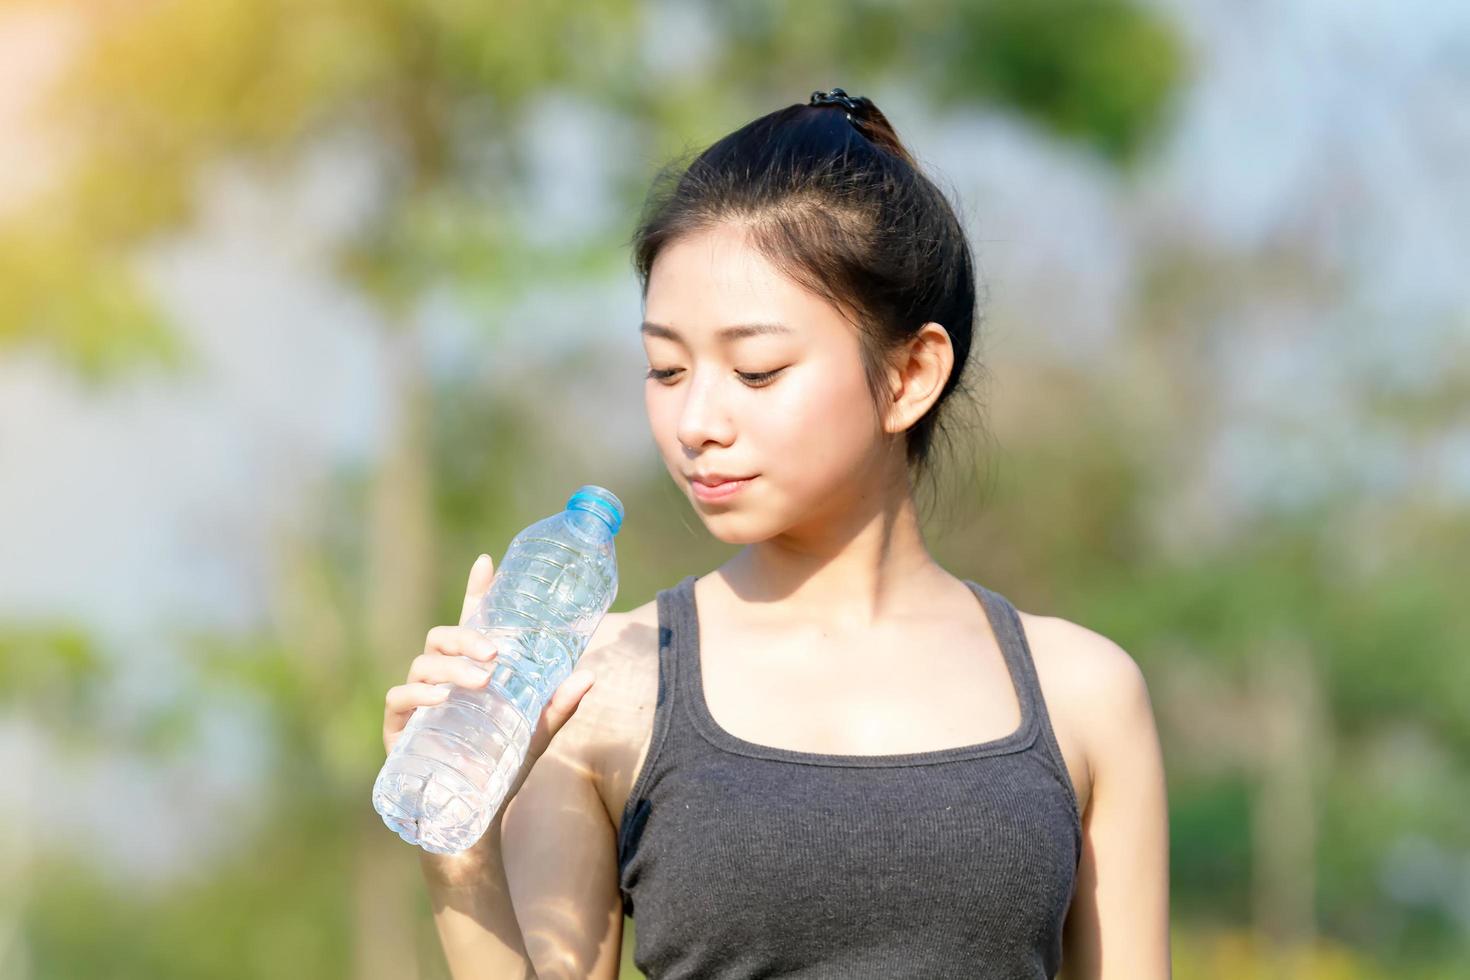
<point>434,668</point>
<point>453,655</point>
<point>463,641</point>
<point>401,700</point>
<point>400,703</point>
<point>482,573</point>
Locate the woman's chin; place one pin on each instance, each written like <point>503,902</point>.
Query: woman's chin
<point>735,528</point>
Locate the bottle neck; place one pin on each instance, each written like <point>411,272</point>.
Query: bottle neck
<point>588,525</point>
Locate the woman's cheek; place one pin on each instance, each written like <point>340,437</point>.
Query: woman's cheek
<point>662,419</point>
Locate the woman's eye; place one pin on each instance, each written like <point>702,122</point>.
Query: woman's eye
<point>755,379</point>
<point>759,379</point>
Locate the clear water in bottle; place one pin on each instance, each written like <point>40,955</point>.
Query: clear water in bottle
<point>448,773</point>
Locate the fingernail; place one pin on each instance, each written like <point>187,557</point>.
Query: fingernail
<point>480,561</point>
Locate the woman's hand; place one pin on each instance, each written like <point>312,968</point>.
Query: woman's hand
<point>461,655</point>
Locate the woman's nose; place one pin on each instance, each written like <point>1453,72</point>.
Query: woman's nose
<point>703,417</point>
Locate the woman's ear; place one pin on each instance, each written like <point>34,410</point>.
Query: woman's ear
<point>916,377</point>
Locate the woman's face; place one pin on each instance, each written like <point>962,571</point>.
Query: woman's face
<point>786,407</point>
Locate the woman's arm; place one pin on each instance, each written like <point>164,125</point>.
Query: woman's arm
<point>1118,925</point>
<point>473,912</point>
<point>553,827</point>
<point>538,895</point>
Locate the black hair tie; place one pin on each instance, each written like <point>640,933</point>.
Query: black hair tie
<point>838,97</point>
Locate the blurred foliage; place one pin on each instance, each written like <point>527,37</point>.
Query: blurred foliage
<point>1099,71</point>
<point>161,92</point>
<point>164,89</point>
<point>53,673</point>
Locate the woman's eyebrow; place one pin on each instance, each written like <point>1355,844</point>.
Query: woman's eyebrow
<point>737,332</point>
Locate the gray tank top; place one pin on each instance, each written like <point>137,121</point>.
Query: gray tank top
<point>745,860</point>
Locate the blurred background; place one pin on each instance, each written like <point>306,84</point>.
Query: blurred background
<point>305,303</point>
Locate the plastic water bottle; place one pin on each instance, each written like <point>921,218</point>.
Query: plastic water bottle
<point>448,773</point>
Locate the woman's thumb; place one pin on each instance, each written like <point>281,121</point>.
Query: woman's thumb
<point>563,704</point>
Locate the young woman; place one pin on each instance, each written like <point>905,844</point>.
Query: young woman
<point>828,757</point>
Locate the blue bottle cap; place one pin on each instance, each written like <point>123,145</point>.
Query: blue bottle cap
<point>601,502</point>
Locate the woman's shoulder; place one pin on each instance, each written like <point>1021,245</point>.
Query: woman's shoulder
<point>615,717</point>
<point>622,655</point>
<point>1093,687</point>
<point>1084,661</point>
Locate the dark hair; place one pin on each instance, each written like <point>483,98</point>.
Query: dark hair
<point>841,207</point>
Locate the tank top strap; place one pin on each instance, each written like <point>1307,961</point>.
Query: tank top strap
<point>1005,620</point>
<point>680,681</point>
<point>674,617</point>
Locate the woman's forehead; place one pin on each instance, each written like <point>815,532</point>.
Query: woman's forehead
<point>714,286</point>
<point>715,261</point>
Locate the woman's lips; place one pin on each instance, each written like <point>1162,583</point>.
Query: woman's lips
<point>720,491</point>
